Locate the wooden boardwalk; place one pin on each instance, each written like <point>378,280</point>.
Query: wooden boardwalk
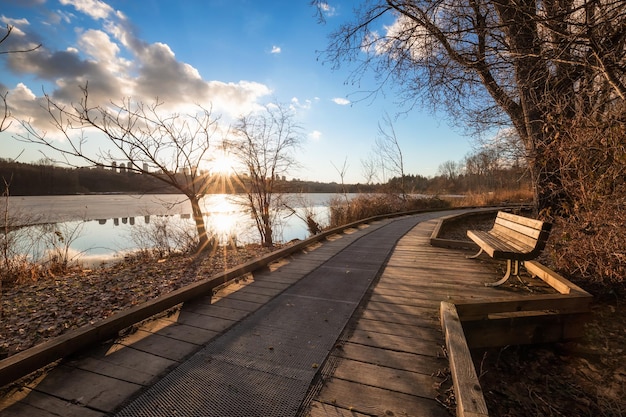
<point>391,358</point>
<point>388,361</point>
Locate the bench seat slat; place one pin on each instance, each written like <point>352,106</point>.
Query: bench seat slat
<point>534,223</point>
<point>511,236</point>
<point>514,242</point>
<point>519,228</point>
<point>498,249</point>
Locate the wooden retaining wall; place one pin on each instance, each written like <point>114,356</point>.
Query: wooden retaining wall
<point>506,321</point>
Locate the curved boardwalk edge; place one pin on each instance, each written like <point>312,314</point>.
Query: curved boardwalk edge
<point>131,360</point>
<point>23,363</point>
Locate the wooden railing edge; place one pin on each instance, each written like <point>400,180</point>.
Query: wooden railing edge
<point>27,361</point>
<point>468,393</point>
<point>436,241</point>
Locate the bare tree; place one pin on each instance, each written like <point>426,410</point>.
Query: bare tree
<point>450,170</point>
<point>369,168</point>
<point>388,148</point>
<point>491,62</point>
<point>480,168</point>
<point>342,171</point>
<point>169,147</point>
<point>263,144</point>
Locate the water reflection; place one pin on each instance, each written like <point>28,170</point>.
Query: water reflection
<point>103,239</point>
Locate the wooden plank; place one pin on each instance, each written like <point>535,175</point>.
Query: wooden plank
<point>442,290</point>
<point>202,321</point>
<point>215,310</point>
<point>468,393</point>
<point>265,283</point>
<point>405,330</point>
<point>455,282</point>
<point>397,314</point>
<point>558,282</point>
<point>391,359</point>
<point>405,301</point>
<point>397,343</point>
<point>158,345</point>
<point>190,334</point>
<point>238,304</point>
<point>520,219</point>
<point>393,379</point>
<point>73,385</point>
<point>130,365</point>
<point>253,288</point>
<point>375,401</point>
<point>517,241</point>
<point>43,405</point>
<point>244,295</point>
<point>541,328</point>
<point>517,227</point>
<point>473,310</point>
<point>454,244</point>
<point>319,409</point>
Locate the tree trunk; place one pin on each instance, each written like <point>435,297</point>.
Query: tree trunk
<point>268,241</point>
<point>198,218</point>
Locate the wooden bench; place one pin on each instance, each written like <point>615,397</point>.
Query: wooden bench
<point>514,238</point>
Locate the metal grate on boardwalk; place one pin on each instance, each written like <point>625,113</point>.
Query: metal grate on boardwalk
<point>264,365</point>
<point>390,360</point>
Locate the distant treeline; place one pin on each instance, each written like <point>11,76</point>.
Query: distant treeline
<point>48,179</point>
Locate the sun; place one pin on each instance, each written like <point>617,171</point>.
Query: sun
<point>223,165</point>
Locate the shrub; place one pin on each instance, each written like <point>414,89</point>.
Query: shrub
<point>590,227</point>
<point>363,206</point>
<point>494,198</point>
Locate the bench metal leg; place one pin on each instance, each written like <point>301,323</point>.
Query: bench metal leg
<point>477,255</point>
<point>510,265</point>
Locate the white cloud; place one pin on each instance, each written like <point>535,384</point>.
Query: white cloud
<point>99,46</point>
<point>341,101</point>
<point>95,8</point>
<point>151,70</point>
<point>22,101</point>
<point>315,135</point>
<point>14,22</point>
<point>395,38</point>
<point>275,50</point>
<point>296,104</point>
<point>327,9</point>
<point>57,17</point>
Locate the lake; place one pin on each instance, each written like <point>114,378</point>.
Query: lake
<point>99,228</point>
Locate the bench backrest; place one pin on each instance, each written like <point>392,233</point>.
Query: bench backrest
<point>522,231</point>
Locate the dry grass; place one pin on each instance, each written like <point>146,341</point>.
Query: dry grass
<point>343,211</point>
<point>493,198</point>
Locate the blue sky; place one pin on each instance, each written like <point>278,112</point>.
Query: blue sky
<point>234,55</point>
